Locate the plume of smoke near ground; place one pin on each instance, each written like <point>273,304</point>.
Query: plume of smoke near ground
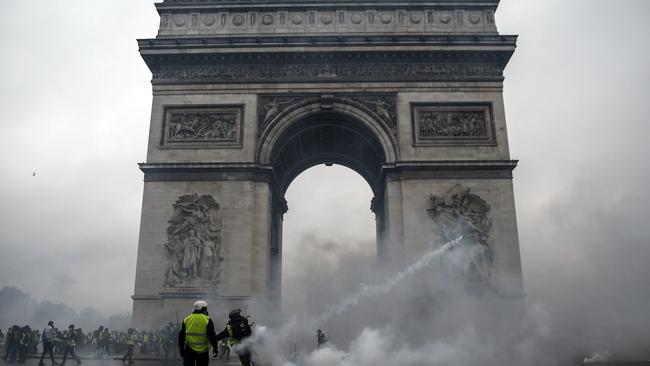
<point>455,326</point>
<point>430,322</point>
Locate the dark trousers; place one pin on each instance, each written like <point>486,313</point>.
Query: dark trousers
<point>191,358</point>
<point>47,348</point>
<point>129,353</point>
<point>22,353</point>
<point>70,350</point>
<point>12,352</point>
<point>245,358</point>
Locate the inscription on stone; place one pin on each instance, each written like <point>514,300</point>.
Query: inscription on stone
<point>460,213</point>
<point>435,124</point>
<point>203,127</point>
<point>194,243</point>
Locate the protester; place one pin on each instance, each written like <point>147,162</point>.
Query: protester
<point>49,333</point>
<point>71,343</point>
<point>196,336</point>
<point>237,330</point>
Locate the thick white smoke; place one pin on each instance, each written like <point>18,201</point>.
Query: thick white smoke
<point>386,286</point>
<point>457,328</point>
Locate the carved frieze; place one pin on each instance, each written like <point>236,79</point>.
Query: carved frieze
<point>381,106</point>
<point>461,213</point>
<point>327,72</point>
<point>299,19</point>
<point>194,243</point>
<point>203,127</point>
<point>452,124</point>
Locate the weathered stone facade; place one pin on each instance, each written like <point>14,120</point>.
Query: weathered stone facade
<point>248,94</point>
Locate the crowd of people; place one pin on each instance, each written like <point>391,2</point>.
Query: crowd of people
<point>21,342</point>
<point>191,340</point>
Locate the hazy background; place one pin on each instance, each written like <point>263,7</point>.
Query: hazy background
<point>75,100</point>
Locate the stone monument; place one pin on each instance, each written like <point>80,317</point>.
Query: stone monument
<point>247,94</point>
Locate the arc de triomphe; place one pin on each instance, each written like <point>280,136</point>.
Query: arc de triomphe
<point>247,94</point>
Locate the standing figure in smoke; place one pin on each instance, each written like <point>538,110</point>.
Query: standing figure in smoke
<point>48,336</point>
<point>11,345</point>
<point>23,343</point>
<point>321,339</point>
<point>70,344</point>
<point>131,340</point>
<point>196,336</point>
<point>237,331</point>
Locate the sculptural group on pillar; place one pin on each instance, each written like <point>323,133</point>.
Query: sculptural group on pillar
<point>194,242</point>
<point>460,213</point>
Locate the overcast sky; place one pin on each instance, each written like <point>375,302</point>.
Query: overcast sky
<point>75,99</point>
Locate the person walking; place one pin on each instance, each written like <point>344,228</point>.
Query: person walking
<point>23,343</point>
<point>321,339</point>
<point>106,339</point>
<point>131,340</point>
<point>70,344</point>
<point>237,330</point>
<point>196,336</point>
<point>48,337</point>
<point>11,345</point>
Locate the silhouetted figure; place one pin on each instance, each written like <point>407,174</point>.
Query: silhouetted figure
<point>70,344</point>
<point>321,339</point>
<point>237,330</point>
<point>196,336</point>
<point>48,337</point>
<point>131,339</point>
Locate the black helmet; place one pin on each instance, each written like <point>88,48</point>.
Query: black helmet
<point>71,326</point>
<point>50,323</point>
<point>235,314</point>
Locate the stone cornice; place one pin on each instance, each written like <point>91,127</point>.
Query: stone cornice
<point>301,67</point>
<point>255,43</point>
<point>167,5</point>
<point>203,4</point>
<point>400,166</point>
<point>451,169</point>
<point>204,171</point>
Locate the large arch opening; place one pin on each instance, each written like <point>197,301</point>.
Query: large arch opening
<point>329,239</point>
<point>327,138</point>
<point>323,138</point>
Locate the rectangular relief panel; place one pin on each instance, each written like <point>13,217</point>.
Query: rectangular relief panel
<point>453,124</point>
<point>203,127</point>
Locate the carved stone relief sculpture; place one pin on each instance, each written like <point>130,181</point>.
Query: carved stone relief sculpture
<point>203,127</point>
<point>380,106</point>
<point>194,243</point>
<point>458,213</point>
<point>435,124</point>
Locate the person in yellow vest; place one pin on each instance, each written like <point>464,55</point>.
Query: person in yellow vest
<point>237,330</point>
<point>70,344</point>
<point>196,336</point>
<point>131,340</point>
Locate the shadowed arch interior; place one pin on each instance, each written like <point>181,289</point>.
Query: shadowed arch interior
<point>325,138</point>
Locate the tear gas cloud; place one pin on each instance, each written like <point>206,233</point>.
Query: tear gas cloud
<point>418,316</point>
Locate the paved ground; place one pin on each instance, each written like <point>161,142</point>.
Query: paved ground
<point>115,362</point>
<point>33,361</point>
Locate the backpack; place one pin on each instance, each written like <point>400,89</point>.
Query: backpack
<point>240,328</point>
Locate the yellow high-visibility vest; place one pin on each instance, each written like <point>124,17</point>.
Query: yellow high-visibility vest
<point>196,332</point>
<point>131,340</point>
